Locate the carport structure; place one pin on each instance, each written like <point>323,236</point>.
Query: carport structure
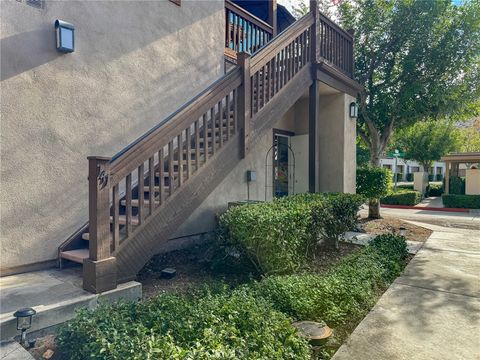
<point>452,162</point>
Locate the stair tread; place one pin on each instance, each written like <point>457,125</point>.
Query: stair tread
<point>77,255</point>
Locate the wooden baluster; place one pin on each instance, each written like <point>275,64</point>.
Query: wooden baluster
<point>170,168</point>
<point>99,270</point>
<point>220,123</point>
<point>197,146</point>
<point>180,158</point>
<point>161,180</point>
<point>235,111</point>
<point>228,29</point>
<point>257,91</point>
<point>264,85</point>
<point>244,105</point>
<point>235,31</point>
<point>116,215</point>
<point>141,193</point>
<point>128,209</point>
<point>285,66</point>
<point>269,80</point>
<point>205,134</point>
<point>227,116</point>
<point>151,184</point>
<point>213,135</point>
<point>189,149</point>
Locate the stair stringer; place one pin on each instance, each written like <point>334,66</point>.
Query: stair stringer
<point>148,239</point>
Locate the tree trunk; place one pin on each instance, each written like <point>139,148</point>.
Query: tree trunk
<point>374,209</point>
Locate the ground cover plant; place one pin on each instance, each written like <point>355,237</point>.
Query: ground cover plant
<point>252,321</point>
<point>461,201</point>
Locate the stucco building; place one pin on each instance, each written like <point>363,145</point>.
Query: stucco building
<point>171,136</point>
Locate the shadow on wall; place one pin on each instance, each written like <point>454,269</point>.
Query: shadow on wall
<point>16,51</point>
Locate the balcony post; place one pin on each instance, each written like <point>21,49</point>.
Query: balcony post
<point>244,102</point>
<point>272,16</point>
<point>99,270</point>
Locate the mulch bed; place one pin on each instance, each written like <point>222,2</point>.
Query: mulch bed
<point>388,225</point>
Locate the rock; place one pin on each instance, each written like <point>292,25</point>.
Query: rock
<point>48,354</point>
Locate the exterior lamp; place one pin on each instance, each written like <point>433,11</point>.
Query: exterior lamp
<point>353,110</point>
<point>24,322</point>
<point>65,36</point>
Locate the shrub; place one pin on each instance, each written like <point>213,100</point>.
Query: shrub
<point>335,216</point>
<point>431,177</point>
<point>399,177</point>
<point>291,224</point>
<point>439,177</point>
<point>373,183</point>
<point>461,201</point>
<point>408,187</point>
<point>347,290</point>
<point>223,325</point>
<point>409,177</point>
<point>457,185</point>
<point>403,197</point>
<point>435,190</point>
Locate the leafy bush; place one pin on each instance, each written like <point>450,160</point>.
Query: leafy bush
<point>439,177</point>
<point>409,177</point>
<point>373,183</point>
<point>279,237</point>
<point>223,325</point>
<point>399,177</point>
<point>402,197</point>
<point>461,201</point>
<point>431,177</point>
<point>408,187</point>
<point>346,291</point>
<point>335,216</point>
<point>457,185</point>
<point>435,190</point>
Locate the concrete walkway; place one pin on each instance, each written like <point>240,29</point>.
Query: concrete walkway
<point>430,312</point>
<point>435,202</point>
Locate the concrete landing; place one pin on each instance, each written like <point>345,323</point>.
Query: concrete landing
<point>12,350</point>
<point>430,312</point>
<point>54,294</point>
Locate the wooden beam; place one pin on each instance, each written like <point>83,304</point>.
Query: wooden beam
<point>313,113</point>
<point>244,102</point>
<point>272,15</point>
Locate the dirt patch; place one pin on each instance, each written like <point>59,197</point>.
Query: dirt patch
<point>389,225</point>
<point>45,349</point>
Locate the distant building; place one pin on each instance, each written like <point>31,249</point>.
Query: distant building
<point>405,167</point>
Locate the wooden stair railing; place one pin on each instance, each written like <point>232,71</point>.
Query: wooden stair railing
<point>139,197</point>
<point>244,32</point>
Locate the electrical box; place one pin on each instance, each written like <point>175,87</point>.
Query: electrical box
<point>251,175</point>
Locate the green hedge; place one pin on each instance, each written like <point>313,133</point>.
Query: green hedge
<point>439,177</point>
<point>409,177</point>
<point>461,201</point>
<point>348,290</point>
<point>279,237</point>
<point>408,187</point>
<point>435,190</point>
<point>373,182</point>
<point>223,325</point>
<point>402,197</point>
<point>431,177</point>
<point>457,185</point>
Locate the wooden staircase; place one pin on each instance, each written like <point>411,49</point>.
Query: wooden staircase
<point>139,197</point>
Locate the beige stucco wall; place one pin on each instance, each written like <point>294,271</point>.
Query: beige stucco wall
<point>135,62</point>
<point>336,141</point>
<point>472,182</point>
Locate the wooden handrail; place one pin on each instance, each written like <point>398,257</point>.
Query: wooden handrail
<point>265,54</point>
<point>332,24</point>
<point>127,160</point>
<point>248,16</point>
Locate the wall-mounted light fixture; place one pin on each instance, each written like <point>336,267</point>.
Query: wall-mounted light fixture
<point>353,110</point>
<point>24,322</point>
<point>65,36</point>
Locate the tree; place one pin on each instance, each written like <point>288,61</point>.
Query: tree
<point>427,141</point>
<point>470,137</point>
<point>373,183</point>
<point>417,59</point>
